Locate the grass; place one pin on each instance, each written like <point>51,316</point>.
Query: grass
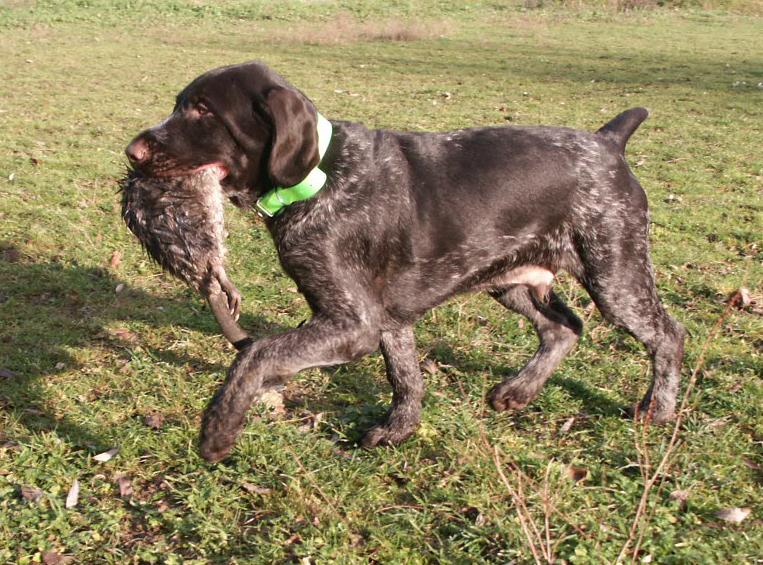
<point>94,347</point>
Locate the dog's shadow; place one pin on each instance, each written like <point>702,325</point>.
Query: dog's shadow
<point>358,396</point>
<point>51,309</point>
<point>596,403</point>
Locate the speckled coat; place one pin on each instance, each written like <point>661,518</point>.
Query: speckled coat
<point>407,220</point>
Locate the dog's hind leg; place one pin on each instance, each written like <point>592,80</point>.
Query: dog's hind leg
<point>269,361</point>
<point>558,331</point>
<point>399,350</point>
<point>620,281</point>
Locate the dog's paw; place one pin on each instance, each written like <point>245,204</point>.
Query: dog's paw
<point>216,441</point>
<point>508,396</point>
<point>384,435</point>
<point>214,450</point>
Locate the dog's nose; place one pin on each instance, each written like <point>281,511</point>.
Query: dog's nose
<point>137,151</point>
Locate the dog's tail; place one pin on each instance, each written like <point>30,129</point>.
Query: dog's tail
<point>620,129</point>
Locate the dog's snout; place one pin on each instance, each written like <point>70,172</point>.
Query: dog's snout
<point>138,151</point>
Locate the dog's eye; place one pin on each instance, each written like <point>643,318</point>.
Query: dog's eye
<point>202,109</point>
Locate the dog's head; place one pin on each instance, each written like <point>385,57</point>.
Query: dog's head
<point>244,120</point>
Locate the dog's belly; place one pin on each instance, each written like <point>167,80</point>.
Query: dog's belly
<point>408,297</point>
<point>533,276</point>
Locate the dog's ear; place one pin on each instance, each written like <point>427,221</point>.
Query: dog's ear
<point>294,146</point>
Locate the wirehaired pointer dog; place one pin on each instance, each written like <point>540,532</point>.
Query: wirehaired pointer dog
<point>403,222</point>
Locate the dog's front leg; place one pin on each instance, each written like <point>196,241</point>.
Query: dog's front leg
<point>399,350</point>
<point>269,361</point>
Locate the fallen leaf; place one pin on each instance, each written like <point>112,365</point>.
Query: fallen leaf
<point>317,419</point>
<point>7,444</point>
<point>60,366</point>
<point>116,259</point>
<point>106,455</point>
<point>11,254</point>
<point>30,493</point>
<point>273,399</point>
<point>717,423</point>
<point>567,426</point>
<point>154,420</point>
<point>740,298</point>
<point>125,485</point>
<point>734,515</point>
<point>55,558</point>
<point>681,496</point>
<point>119,288</point>
<point>294,538</point>
<point>673,198</point>
<point>7,374</point>
<point>254,489</point>
<point>342,453</point>
<point>162,506</point>
<point>430,366</point>
<point>125,335</point>
<point>73,497</point>
<point>750,464</point>
<point>577,474</point>
<point>314,420</point>
<point>356,540</point>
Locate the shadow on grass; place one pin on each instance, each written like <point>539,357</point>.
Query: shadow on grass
<point>618,66</point>
<point>48,310</point>
<point>352,402</point>
<point>594,401</point>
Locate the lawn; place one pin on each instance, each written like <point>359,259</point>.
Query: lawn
<point>99,351</point>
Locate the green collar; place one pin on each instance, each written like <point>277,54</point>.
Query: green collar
<point>279,197</point>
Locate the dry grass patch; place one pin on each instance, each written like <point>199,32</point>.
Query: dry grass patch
<point>345,28</point>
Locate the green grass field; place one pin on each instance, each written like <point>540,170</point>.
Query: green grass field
<point>98,350</point>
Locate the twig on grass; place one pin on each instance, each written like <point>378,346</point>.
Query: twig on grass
<point>534,538</point>
<point>309,476</point>
<point>525,518</point>
<point>638,526</point>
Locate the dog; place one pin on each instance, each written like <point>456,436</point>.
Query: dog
<point>402,222</point>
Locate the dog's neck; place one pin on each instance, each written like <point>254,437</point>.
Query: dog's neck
<point>278,198</point>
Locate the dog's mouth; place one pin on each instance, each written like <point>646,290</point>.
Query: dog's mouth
<point>217,168</point>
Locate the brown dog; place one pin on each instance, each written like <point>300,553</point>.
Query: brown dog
<point>407,220</point>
